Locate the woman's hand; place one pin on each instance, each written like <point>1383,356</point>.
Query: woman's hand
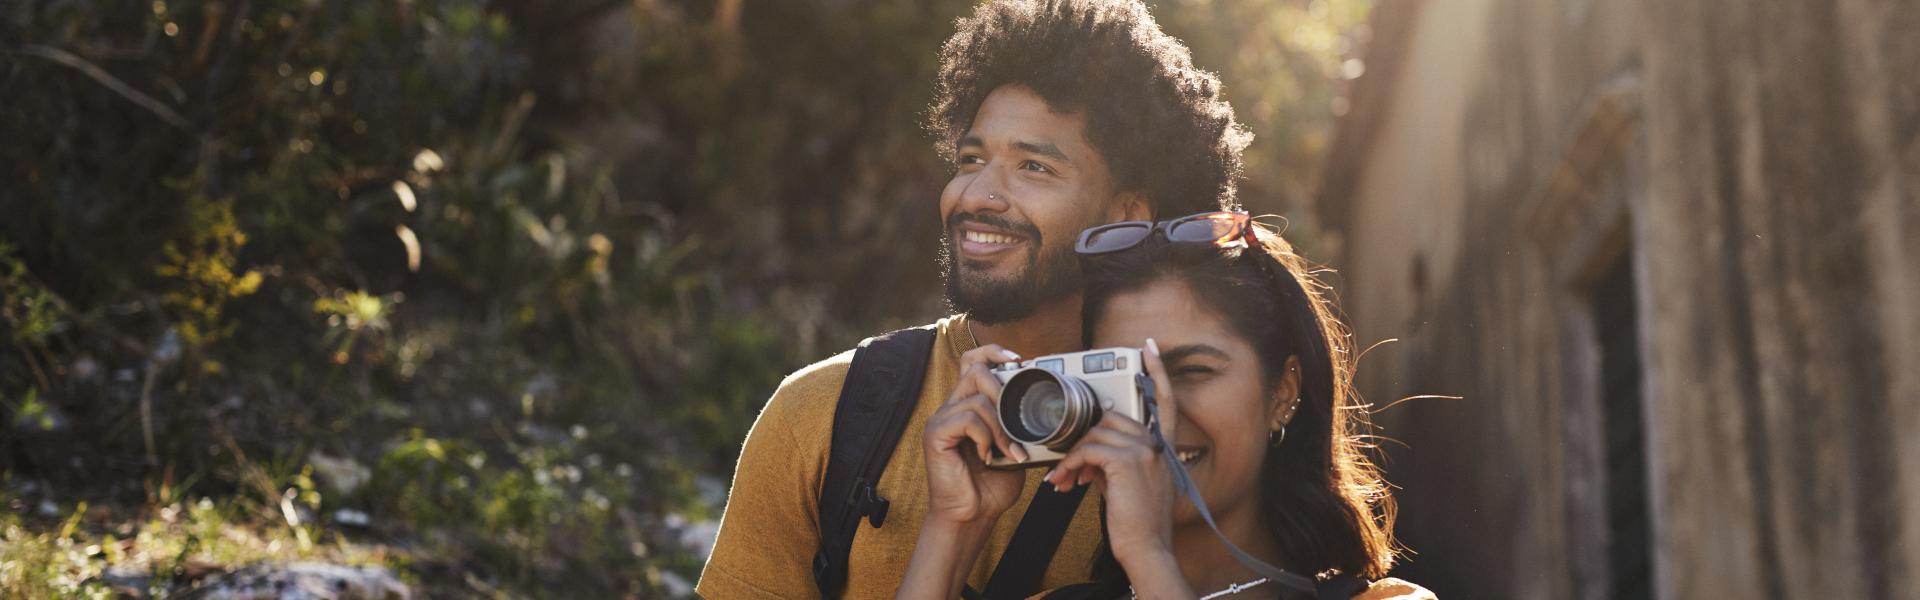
<point>964,496</point>
<point>960,440</point>
<point>1119,455</point>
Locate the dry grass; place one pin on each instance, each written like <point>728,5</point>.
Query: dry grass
<point>92,552</point>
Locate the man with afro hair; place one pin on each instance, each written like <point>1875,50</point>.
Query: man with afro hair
<point>1057,115</point>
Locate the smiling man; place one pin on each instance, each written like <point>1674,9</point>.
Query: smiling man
<point>1057,116</point>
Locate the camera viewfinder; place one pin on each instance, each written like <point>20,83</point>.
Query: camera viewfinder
<point>1097,363</point>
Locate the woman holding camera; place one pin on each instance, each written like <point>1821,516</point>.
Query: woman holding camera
<point>1251,373</point>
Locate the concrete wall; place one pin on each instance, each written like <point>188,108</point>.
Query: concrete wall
<point>1757,167</point>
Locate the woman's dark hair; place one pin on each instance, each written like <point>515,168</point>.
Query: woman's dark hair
<point>1325,502</point>
<point>1162,125</point>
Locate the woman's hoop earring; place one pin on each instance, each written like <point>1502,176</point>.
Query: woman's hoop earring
<point>1276,441</point>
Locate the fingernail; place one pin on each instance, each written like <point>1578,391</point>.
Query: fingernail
<point>1018,452</point>
<point>1049,475</point>
<point>1155,348</point>
<point>1015,355</point>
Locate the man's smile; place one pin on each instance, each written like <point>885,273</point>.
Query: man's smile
<point>979,242</point>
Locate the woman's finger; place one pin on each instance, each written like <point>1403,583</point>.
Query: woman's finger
<point>1113,430</point>
<point>1067,471</point>
<point>988,354</point>
<point>1120,436</point>
<point>944,431</point>
<point>989,412</point>
<point>1094,455</point>
<point>979,432</point>
<point>956,423</point>
<point>982,357</point>
<point>1121,423</point>
<point>980,378</point>
<point>1082,463</point>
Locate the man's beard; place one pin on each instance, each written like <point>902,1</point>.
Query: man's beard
<point>1050,274</point>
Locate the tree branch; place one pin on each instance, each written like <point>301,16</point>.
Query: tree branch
<point>74,61</point>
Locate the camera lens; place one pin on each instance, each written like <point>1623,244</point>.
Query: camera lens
<point>1048,409</point>
<point>1043,407</point>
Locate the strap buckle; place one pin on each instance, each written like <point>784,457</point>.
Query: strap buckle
<point>868,502</point>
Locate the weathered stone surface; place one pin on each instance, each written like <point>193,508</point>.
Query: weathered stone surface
<point>1757,164</point>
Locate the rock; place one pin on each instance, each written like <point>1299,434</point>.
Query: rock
<point>350,517</point>
<point>343,474</point>
<point>307,581</point>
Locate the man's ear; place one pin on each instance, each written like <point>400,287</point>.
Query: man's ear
<point>1282,408</point>
<point>1130,206</point>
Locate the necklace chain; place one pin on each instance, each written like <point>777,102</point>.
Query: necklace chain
<point>970,335</point>
<point>1227,591</point>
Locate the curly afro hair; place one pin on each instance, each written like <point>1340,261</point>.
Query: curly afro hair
<point>1161,124</point>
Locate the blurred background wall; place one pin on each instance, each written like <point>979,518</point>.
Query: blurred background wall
<point>1662,253</point>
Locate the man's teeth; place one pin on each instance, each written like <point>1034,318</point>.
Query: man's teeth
<point>1188,456</point>
<point>990,238</point>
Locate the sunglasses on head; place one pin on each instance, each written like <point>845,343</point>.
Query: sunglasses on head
<point>1220,228</point>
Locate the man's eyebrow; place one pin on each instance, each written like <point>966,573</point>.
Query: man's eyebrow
<point>971,140</point>
<point>1044,149</point>
<point>1181,352</point>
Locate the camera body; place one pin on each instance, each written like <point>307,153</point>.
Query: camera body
<point>1049,402</point>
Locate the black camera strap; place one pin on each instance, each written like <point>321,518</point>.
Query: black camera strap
<point>881,390</point>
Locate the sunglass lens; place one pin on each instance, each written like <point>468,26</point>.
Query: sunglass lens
<point>1115,237</point>
<point>1216,228</point>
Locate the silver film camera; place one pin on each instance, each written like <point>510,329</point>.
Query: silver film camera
<point>1049,402</point>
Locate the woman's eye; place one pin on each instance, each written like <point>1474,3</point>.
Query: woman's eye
<point>1192,371</point>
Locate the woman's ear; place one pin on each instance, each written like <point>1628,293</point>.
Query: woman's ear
<point>1286,396</point>
<point>1130,206</point>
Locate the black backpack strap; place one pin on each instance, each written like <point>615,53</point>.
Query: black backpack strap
<point>1034,541</point>
<point>881,390</point>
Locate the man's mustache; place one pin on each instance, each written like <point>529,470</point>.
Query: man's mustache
<point>995,221</point>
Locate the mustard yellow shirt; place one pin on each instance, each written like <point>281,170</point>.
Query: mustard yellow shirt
<point>771,527</point>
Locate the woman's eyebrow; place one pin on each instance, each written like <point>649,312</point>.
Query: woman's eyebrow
<point>1180,352</point>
